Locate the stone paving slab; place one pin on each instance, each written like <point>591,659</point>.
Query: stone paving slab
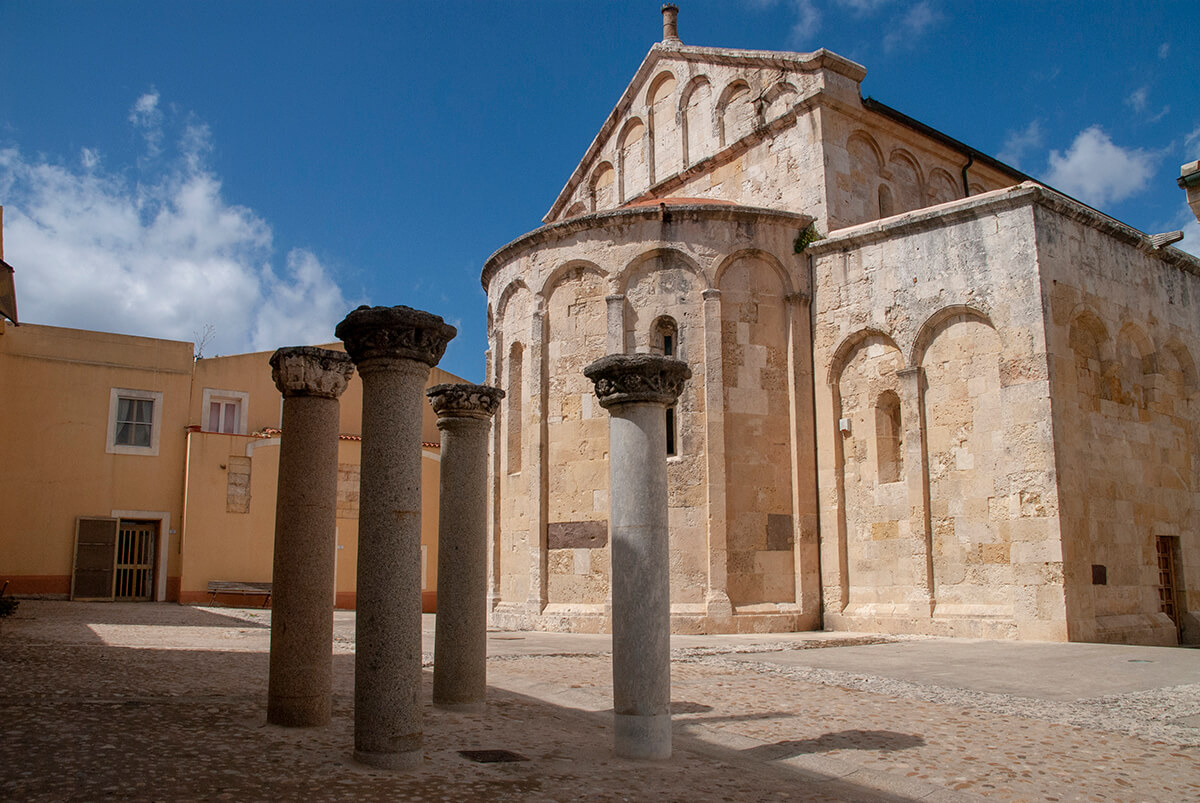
<point>1042,670</point>
<point>162,702</point>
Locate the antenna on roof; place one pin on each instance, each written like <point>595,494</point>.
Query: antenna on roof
<point>670,13</point>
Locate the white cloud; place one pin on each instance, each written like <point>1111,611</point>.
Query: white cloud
<point>1192,137</point>
<point>145,115</point>
<point>808,21</point>
<point>1164,50</point>
<point>1137,99</point>
<point>1191,236</point>
<point>1018,143</point>
<point>912,25</point>
<point>863,7</point>
<point>1098,172</point>
<point>163,256</point>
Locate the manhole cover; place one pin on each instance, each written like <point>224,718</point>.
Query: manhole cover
<point>491,756</point>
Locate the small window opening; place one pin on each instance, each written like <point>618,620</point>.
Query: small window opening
<point>671,432</point>
<point>888,437</point>
<point>664,337</point>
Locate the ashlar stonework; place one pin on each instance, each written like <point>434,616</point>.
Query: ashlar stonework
<point>929,395</point>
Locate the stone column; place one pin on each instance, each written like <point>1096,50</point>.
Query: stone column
<point>460,649</point>
<point>394,348</point>
<point>717,607</point>
<point>916,476</point>
<point>636,389</point>
<point>300,677</point>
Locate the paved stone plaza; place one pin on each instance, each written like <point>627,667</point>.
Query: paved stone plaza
<point>162,702</point>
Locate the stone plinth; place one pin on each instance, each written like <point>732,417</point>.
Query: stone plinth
<point>460,649</point>
<point>301,665</point>
<point>636,390</point>
<point>393,348</point>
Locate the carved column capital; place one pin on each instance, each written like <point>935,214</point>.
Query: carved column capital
<point>463,400</point>
<point>710,294</point>
<point>395,333</point>
<point>626,378</point>
<point>311,371</point>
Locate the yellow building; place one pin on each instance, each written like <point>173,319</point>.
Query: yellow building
<point>134,472</point>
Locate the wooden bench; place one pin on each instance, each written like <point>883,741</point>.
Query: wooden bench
<point>244,589</point>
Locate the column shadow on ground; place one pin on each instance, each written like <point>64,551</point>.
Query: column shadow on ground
<point>887,741</point>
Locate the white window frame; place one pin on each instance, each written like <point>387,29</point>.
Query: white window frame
<point>211,395</point>
<point>114,397</point>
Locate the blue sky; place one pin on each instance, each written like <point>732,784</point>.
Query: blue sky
<point>256,169</point>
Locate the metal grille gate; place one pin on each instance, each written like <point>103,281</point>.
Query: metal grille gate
<point>134,575</point>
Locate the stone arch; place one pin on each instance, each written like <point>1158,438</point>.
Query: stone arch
<point>863,146</point>
<point>557,275</point>
<point>621,280</point>
<point>506,296</point>
<point>1135,360</point>
<point>735,112</point>
<point>662,281</point>
<point>841,355</point>
<point>575,431</point>
<point>964,405</point>
<point>887,206</point>
<point>977,189</point>
<point>785,278</point>
<point>696,119</point>
<point>907,180</point>
<point>754,352</point>
<point>866,368</point>
<point>575,210</point>
<point>633,168</point>
<point>602,187</point>
<point>935,322</point>
<point>1093,349</point>
<point>664,335</point>
<point>942,186</point>
<point>1173,351</point>
<point>778,99</point>
<point>660,120</point>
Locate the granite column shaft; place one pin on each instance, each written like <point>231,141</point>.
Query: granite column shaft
<point>300,679</point>
<point>460,648</point>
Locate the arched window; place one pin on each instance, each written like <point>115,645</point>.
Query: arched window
<point>665,336</point>
<point>513,398</point>
<point>886,207</point>
<point>889,437</point>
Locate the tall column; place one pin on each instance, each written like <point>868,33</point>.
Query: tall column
<point>300,677</point>
<point>718,608</point>
<point>636,389</point>
<point>916,474</point>
<point>394,348</point>
<point>460,648</point>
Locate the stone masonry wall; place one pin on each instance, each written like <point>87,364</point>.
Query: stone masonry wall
<point>936,465</point>
<point>1124,334</point>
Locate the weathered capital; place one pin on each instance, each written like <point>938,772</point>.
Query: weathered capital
<point>626,378</point>
<point>395,333</point>
<point>462,400</point>
<point>311,371</point>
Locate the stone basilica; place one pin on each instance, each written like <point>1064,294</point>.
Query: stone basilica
<point>929,394</point>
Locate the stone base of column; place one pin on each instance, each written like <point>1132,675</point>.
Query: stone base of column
<point>299,712</point>
<point>406,760</point>
<point>642,737</point>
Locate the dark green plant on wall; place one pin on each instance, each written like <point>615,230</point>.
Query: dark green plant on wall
<point>806,238</point>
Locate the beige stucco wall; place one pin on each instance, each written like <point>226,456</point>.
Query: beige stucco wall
<point>213,493</point>
<point>54,435</point>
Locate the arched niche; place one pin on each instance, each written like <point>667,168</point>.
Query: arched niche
<point>696,120</point>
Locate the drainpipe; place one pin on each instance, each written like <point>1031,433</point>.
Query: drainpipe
<point>970,161</point>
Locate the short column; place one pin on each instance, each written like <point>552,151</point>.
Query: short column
<point>636,389</point>
<point>393,348</point>
<point>300,677</point>
<point>460,647</point>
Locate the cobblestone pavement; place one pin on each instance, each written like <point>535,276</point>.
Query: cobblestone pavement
<point>162,702</point>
